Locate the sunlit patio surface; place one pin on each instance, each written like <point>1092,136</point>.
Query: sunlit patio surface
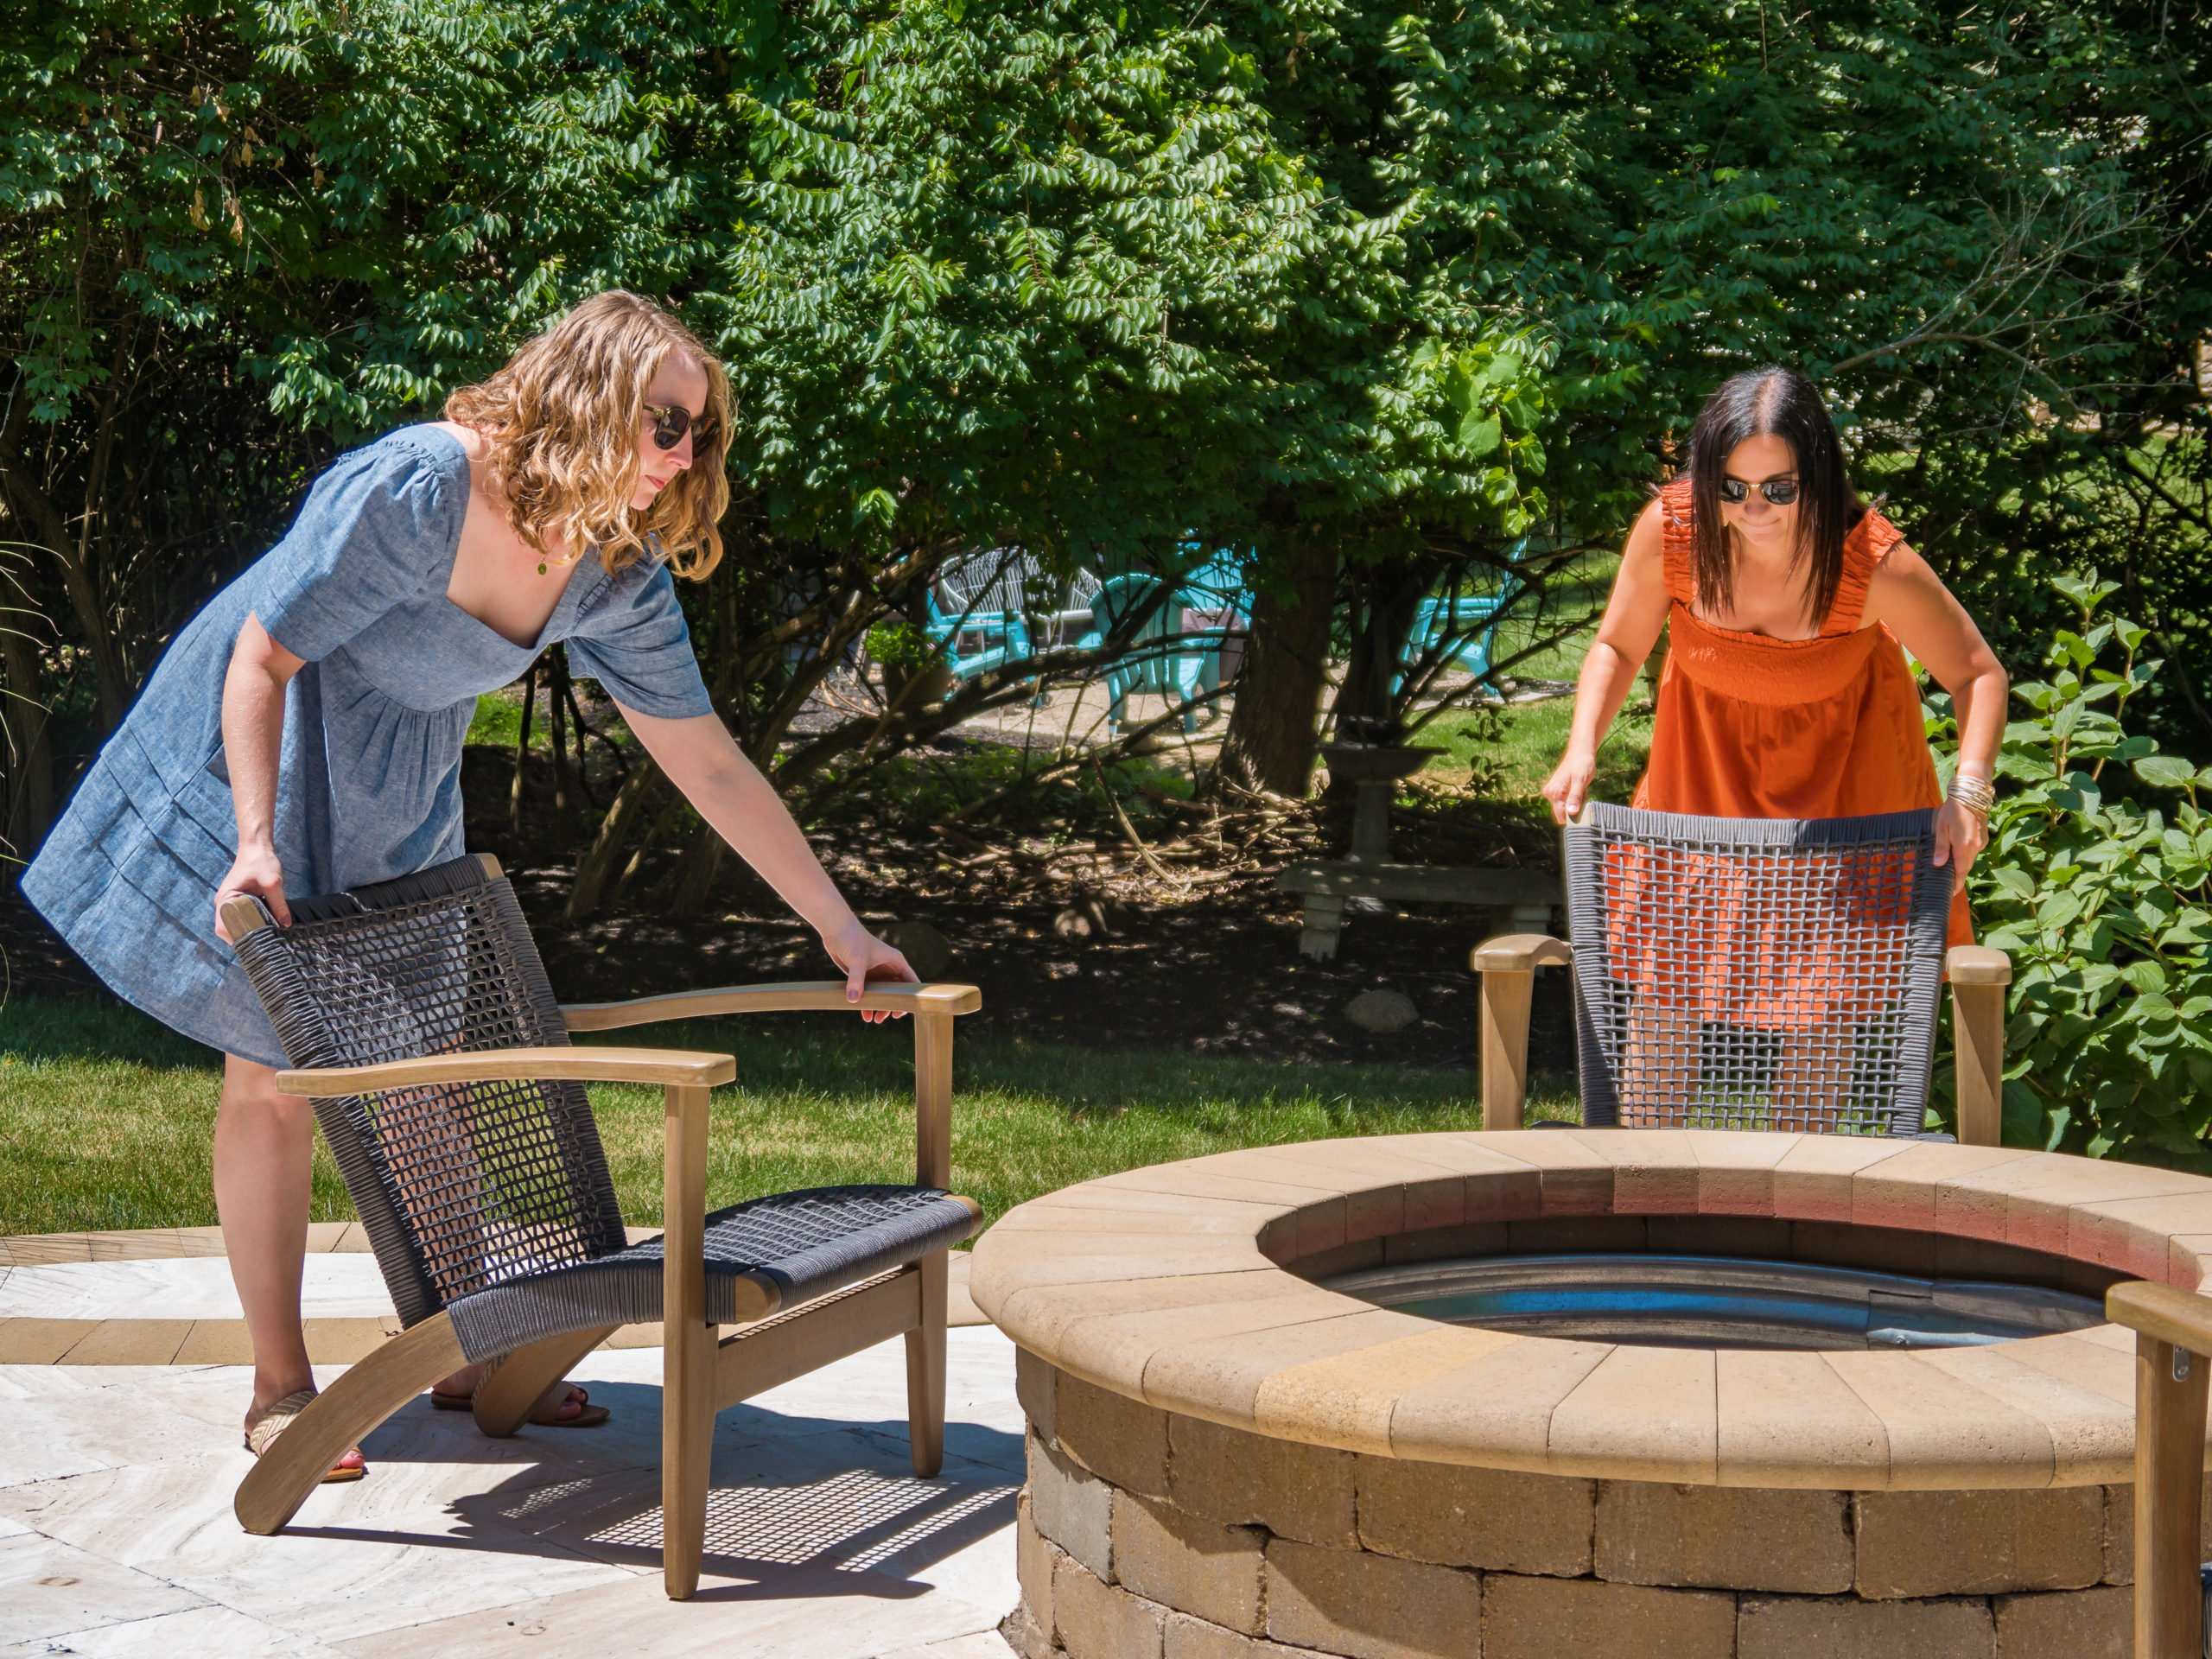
<point>117,1536</point>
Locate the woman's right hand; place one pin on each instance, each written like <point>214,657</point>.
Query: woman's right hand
<point>1568,786</point>
<point>256,872</point>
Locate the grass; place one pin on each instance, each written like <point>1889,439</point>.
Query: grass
<point>108,1118</point>
<point>1512,750</point>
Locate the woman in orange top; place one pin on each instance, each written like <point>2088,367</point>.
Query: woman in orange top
<point>1786,693</point>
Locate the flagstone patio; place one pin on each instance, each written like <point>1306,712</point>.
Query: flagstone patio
<point>117,1536</point>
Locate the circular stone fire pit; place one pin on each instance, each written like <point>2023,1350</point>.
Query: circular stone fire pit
<point>1227,1453</point>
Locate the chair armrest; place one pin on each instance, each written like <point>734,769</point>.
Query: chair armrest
<point>1977,965</point>
<point>794,996</point>
<point>660,1065</point>
<point>2172,1315</point>
<point>1520,953</point>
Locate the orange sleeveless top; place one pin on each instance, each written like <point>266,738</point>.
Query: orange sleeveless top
<point>1752,727</point>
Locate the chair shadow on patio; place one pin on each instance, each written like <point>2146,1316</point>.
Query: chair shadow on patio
<point>796,1506</point>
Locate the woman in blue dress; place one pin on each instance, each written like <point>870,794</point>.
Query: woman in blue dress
<point>305,730</point>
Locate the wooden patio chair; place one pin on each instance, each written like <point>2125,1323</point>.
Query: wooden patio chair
<point>1754,974</point>
<point>2173,1361</point>
<point>422,1024</point>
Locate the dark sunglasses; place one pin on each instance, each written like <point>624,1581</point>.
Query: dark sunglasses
<point>672,420</point>
<point>1779,491</point>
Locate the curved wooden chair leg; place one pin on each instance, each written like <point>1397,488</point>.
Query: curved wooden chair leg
<point>369,1392</point>
<point>926,1370</point>
<point>506,1398</point>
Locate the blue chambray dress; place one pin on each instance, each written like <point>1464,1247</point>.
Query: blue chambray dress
<point>369,783</point>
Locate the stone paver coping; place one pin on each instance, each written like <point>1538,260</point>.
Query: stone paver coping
<point>143,1341</point>
<point>1173,1286</point>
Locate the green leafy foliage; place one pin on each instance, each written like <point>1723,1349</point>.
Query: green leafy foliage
<point>2098,882</point>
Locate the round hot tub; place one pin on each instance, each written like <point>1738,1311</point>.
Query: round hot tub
<point>1718,1301</point>
<point>1536,1395</point>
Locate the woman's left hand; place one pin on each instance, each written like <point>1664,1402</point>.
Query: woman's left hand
<point>867,960</point>
<point>1960,832</point>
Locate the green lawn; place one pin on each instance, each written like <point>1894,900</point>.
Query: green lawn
<point>1516,748</point>
<point>106,1117</point>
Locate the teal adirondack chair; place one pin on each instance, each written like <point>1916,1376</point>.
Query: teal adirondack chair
<point>1169,657</point>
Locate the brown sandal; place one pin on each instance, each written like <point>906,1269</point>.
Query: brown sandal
<point>546,1413</point>
<point>277,1418</point>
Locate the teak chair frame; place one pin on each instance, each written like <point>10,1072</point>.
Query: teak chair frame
<point>701,1375</point>
<point>1508,963</point>
<point>2173,1362</point>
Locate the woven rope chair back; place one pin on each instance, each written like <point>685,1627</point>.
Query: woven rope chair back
<point>1753,975</point>
<point>460,1186</point>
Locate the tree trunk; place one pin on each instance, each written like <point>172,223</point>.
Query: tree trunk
<point>597,868</point>
<point>30,755</point>
<point>1269,742</point>
<point>1384,602</point>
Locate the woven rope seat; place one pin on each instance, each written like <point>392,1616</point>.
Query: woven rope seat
<point>809,1243</point>
<point>422,1026</point>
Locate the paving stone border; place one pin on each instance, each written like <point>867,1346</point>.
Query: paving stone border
<point>1227,1461</point>
<point>225,1341</point>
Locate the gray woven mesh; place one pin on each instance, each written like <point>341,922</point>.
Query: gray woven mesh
<point>810,1242</point>
<point>1751,973</point>
<point>459,1185</point>
<point>492,1201</point>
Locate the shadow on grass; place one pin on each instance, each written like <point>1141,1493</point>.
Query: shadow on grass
<point>36,1029</point>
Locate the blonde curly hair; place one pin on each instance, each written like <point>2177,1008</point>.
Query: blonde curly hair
<point>562,418</point>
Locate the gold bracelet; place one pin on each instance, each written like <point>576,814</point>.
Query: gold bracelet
<point>1973,793</point>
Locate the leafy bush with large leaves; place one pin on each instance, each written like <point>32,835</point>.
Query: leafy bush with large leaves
<point>2106,905</point>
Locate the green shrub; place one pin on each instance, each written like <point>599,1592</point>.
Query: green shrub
<point>2106,906</point>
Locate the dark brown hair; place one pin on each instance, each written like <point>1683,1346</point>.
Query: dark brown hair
<point>1771,401</point>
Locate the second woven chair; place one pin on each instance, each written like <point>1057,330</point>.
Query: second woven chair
<point>1754,974</point>
<point>421,1023</point>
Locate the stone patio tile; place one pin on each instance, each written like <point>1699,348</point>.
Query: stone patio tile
<point>190,1288</point>
<point>328,1576</point>
<point>1348,1400</point>
<point>1643,1414</point>
<point>62,1431</point>
<point>1219,1378</point>
<point>1574,1179</point>
<point>50,1588</point>
<point>1655,1172</point>
<point>206,1631</point>
<point>130,1342</point>
<point>1496,1411</point>
<point>1942,1430</point>
<point>1037,1318</point>
<point>1787,1420</point>
<point>984,1644</point>
<point>1812,1179</point>
<point>33,1248</point>
<point>1900,1190</point>
<point>2092,1435</point>
<point>810,1614</point>
<point>41,1342</point>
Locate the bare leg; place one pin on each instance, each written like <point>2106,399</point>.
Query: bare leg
<point>265,1151</point>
